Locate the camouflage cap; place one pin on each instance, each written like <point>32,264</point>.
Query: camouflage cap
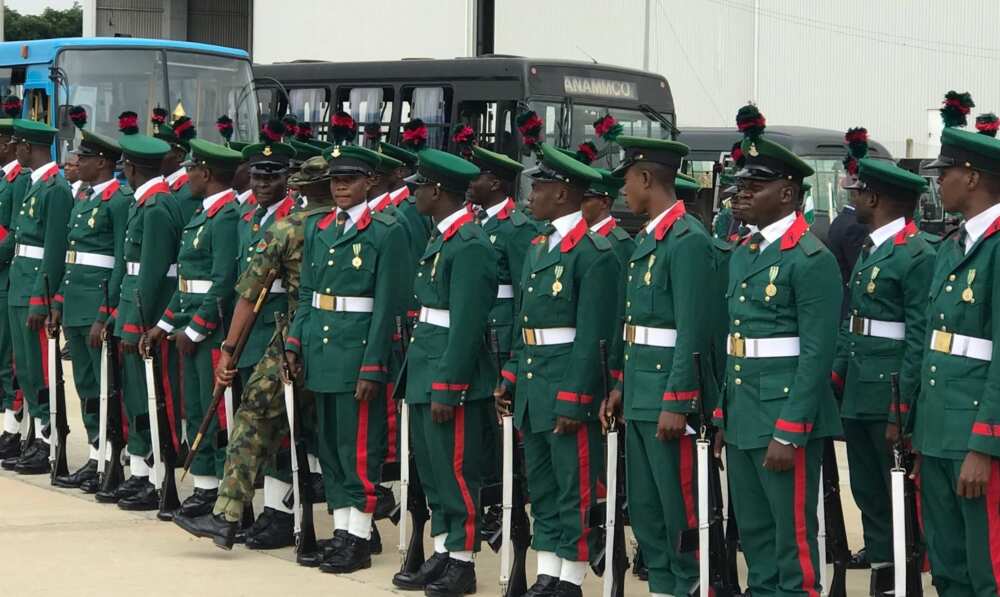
<point>313,170</point>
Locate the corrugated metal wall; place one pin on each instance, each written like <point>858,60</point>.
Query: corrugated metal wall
<point>220,22</point>
<point>137,18</point>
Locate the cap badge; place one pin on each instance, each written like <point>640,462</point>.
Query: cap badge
<point>753,150</point>
<point>336,152</point>
<point>267,150</point>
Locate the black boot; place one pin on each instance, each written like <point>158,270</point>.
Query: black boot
<point>354,555</point>
<point>883,581</point>
<point>325,548</point>
<point>859,560</point>
<point>431,570</point>
<point>545,586</point>
<point>568,589</point>
<point>275,531</point>
<point>639,567</point>
<point>76,479</point>
<point>34,460</point>
<point>385,502</point>
<point>318,491</point>
<point>215,527</point>
<point>459,578</point>
<point>145,499</point>
<point>10,445</point>
<point>201,502</point>
<point>129,488</point>
<point>90,486</point>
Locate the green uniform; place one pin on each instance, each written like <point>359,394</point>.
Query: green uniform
<point>622,245</point>
<point>13,184</point>
<point>93,262</point>
<point>39,229</point>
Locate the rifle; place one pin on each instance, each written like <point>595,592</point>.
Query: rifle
<point>832,538</point>
<point>302,508</point>
<point>907,547</point>
<point>614,520</point>
<point>218,392</point>
<point>164,456</point>
<point>58,428</point>
<point>110,430</point>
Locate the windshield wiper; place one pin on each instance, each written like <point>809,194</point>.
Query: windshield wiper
<point>649,112</point>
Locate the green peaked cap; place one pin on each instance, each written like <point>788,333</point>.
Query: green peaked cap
<point>212,155</point>
<point>767,160</point>
<point>94,144</point>
<point>686,187</point>
<point>644,149</point>
<point>33,132</point>
<point>143,149</point>
<point>404,155</point>
<point>607,186</point>
<point>351,159</point>
<point>268,156</point>
<point>497,163</point>
<point>972,150</point>
<point>882,175</point>
<point>444,169</point>
<point>387,164</point>
<point>560,166</point>
<point>304,150</point>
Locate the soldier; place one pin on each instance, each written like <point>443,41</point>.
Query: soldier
<point>94,269</point>
<point>958,409</point>
<point>570,277</point>
<point>261,422</point>
<point>13,184</point>
<point>39,229</point>
<point>178,134</point>
<point>884,334</point>
<point>450,375</point>
<point>71,171</point>
<point>784,302</point>
<point>206,268</point>
<point>666,324</point>
<point>418,227</point>
<point>342,335</point>
<point>149,252</point>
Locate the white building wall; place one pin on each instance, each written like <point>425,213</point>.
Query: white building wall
<point>882,64</point>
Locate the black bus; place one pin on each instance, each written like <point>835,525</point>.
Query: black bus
<point>485,92</point>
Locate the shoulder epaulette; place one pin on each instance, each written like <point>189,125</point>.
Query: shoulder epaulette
<point>517,218</point>
<point>929,238</point>
<point>384,218</point>
<point>468,231</point>
<point>619,233</point>
<point>811,244</point>
<point>601,243</point>
<point>720,245</point>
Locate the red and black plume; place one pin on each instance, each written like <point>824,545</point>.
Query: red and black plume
<point>414,135</point>
<point>224,124</point>
<point>78,115</point>
<point>184,128</point>
<point>586,152</point>
<point>987,124</point>
<point>304,132</point>
<point>750,121</point>
<point>272,131</point>
<point>12,106</point>
<point>857,148</point>
<point>737,154</point>
<point>607,128</point>
<point>464,138</point>
<point>373,134</point>
<point>343,127</point>
<point>158,118</point>
<point>128,123</point>
<point>956,108</point>
<point>291,122</point>
<point>530,127</point>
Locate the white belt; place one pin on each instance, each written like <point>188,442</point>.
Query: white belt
<point>277,287</point>
<point>347,304</point>
<point>640,334</point>
<point>194,286</point>
<point>132,269</point>
<point>438,317</point>
<point>762,348</point>
<point>893,330</point>
<point>548,336</point>
<point>30,251</point>
<point>505,291</point>
<point>91,259</point>
<point>962,346</point>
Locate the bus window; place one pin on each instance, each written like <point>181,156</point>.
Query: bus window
<point>12,80</point>
<point>37,102</point>
<point>204,87</point>
<point>310,105</point>
<point>826,194</point>
<point>492,123</point>
<point>433,106</point>
<point>270,101</point>
<point>368,106</point>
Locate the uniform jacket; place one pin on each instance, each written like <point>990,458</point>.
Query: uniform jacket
<point>622,245</point>
<point>510,232</point>
<point>12,188</point>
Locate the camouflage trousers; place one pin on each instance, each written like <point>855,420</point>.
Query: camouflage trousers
<point>260,433</point>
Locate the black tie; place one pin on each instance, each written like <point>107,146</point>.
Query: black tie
<point>963,236</point>
<point>341,222</point>
<point>866,247</point>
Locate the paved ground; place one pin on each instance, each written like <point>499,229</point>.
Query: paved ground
<point>65,543</point>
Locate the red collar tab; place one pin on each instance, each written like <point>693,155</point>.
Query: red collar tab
<point>794,234</point>
<point>461,221</point>
<point>181,181</point>
<point>507,208</point>
<point>364,220</point>
<point>14,172</point>
<point>538,239</point>
<point>110,190</point>
<point>383,203</point>
<point>573,238</point>
<point>400,196</point>
<point>909,230</point>
<point>674,213</point>
<point>994,227</point>
<point>248,216</point>
<point>48,174</point>
<point>285,208</point>
<point>219,204</point>
<point>251,200</point>
<point>160,187</point>
<point>328,219</point>
<point>607,228</point>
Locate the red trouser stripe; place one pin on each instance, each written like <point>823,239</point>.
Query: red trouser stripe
<point>361,454</point>
<point>801,534</point>
<point>43,344</point>
<point>583,455</point>
<point>168,393</point>
<point>687,481</point>
<point>391,423</point>
<point>993,520</point>
<point>458,462</point>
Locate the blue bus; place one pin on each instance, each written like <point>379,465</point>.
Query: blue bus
<point>109,75</point>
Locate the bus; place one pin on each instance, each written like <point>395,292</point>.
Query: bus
<point>108,76</point>
<point>485,92</point>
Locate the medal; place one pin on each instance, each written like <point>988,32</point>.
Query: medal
<point>967,294</point>
<point>647,278</point>
<point>256,227</point>
<point>434,266</point>
<point>871,281</point>
<point>493,239</point>
<point>557,285</point>
<point>771,290</point>
<point>197,237</point>
<point>356,262</point>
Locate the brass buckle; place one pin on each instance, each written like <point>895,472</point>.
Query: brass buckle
<point>182,284</point>
<point>857,326</point>
<point>941,341</point>
<point>629,332</point>
<point>737,346</point>
<point>327,302</point>
<point>71,257</point>
<point>529,336</point>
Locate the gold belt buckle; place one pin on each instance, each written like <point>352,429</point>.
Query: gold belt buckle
<point>71,257</point>
<point>857,326</point>
<point>529,336</point>
<point>737,346</point>
<point>327,302</point>
<point>942,341</point>
<point>182,284</point>
<point>629,332</point>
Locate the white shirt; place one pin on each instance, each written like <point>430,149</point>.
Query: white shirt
<point>37,173</point>
<point>75,187</point>
<point>651,226</point>
<point>208,201</point>
<point>976,226</point>
<point>144,187</point>
<point>600,224</point>
<point>97,189</point>
<point>270,212</point>
<point>242,197</point>
<point>175,175</point>
<point>776,230</point>
<point>492,211</point>
<point>9,167</point>
<point>374,202</point>
<point>449,220</point>
<point>353,213</point>
<point>884,233</point>
<point>563,225</point>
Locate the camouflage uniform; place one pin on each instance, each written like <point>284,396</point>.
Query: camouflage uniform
<point>260,423</point>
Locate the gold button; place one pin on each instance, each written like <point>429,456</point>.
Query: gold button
<point>532,275</point>
<point>933,368</point>
<point>737,368</point>
<point>526,318</point>
<point>420,274</point>
<point>626,357</point>
<point>326,340</point>
<point>951,278</point>
<point>947,288</point>
<point>631,265</point>
<point>743,285</point>
<point>743,299</point>
<point>329,262</point>
<point>530,289</point>
<point>630,278</point>
<point>331,252</point>
<point>529,376</point>
<point>736,335</point>
<point>785,390</point>
<point>738,381</point>
<point>422,261</point>
<point>326,328</point>
<point>328,291</point>
<point>932,382</point>
<point>975,403</point>
<point>767,299</point>
<point>881,375</point>
<point>628,304</point>
<point>942,317</point>
<point>528,360</point>
<point>629,318</point>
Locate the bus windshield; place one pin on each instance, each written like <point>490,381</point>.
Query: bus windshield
<point>202,86</point>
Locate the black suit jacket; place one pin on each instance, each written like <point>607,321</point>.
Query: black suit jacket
<point>845,238</point>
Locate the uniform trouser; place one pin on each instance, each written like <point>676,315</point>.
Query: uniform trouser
<point>562,473</point>
<point>31,359</point>
<point>869,461</point>
<point>7,392</point>
<point>198,381</point>
<point>352,442</point>
<point>136,397</point>
<point>280,466</point>
<point>86,377</point>
<point>449,458</point>
<point>963,535</point>
<point>663,502</point>
<point>776,516</point>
